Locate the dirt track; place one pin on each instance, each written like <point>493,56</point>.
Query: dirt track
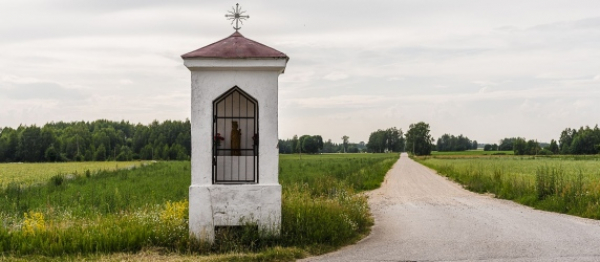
<point>421,216</point>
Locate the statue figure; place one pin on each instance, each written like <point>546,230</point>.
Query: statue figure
<point>236,136</point>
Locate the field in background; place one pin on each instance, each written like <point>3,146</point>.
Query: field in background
<point>565,184</point>
<point>37,172</point>
<point>472,153</point>
<point>145,208</point>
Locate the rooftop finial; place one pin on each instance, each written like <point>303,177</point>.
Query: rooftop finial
<point>236,14</point>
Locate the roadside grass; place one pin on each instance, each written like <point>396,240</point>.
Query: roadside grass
<point>114,214</point>
<point>565,184</point>
<point>26,173</point>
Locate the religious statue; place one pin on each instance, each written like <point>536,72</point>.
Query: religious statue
<point>236,136</point>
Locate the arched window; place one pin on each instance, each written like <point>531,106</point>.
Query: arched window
<point>235,138</point>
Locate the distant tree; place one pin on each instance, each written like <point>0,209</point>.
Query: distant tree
<point>294,144</point>
<point>377,142</point>
<point>299,146</point>
<point>51,155</point>
<point>475,145</point>
<point>506,144</point>
<point>449,142</point>
<point>566,139</point>
<point>100,154</point>
<point>545,151</point>
<point>363,146</point>
<point>165,152</point>
<point>487,147</point>
<point>319,140</point>
<point>177,152</point>
<point>310,144</point>
<point>330,147</point>
<point>520,146</point>
<point>345,142</point>
<point>495,147</point>
<point>395,140</point>
<point>9,141</point>
<point>146,153</point>
<point>30,145</point>
<point>389,140</point>
<point>285,146</point>
<point>532,147</point>
<point>418,139</point>
<point>125,154</point>
<point>89,155</point>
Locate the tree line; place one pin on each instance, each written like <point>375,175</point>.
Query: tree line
<point>389,140</point>
<point>99,140</point>
<point>449,142</point>
<point>313,144</point>
<point>380,141</point>
<point>585,141</point>
<point>582,141</point>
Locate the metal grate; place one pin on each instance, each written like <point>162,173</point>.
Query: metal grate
<point>235,138</point>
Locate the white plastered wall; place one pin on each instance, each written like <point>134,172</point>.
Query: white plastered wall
<point>228,205</point>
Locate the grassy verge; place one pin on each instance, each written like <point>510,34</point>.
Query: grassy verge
<point>560,184</point>
<point>112,214</point>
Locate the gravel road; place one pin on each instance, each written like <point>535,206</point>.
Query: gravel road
<point>421,216</point>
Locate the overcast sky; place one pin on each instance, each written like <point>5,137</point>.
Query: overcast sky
<point>485,69</point>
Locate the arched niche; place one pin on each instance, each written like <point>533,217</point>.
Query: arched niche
<point>235,138</point>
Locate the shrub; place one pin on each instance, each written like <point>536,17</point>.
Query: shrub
<point>545,152</point>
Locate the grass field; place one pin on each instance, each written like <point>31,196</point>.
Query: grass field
<point>38,172</point>
<point>566,184</point>
<point>103,214</point>
<point>472,153</point>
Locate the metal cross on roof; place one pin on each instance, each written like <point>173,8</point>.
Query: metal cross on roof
<point>236,14</point>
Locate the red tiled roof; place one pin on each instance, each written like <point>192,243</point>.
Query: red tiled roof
<point>235,46</point>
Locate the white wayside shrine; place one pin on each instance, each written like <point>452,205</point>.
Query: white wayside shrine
<point>235,158</point>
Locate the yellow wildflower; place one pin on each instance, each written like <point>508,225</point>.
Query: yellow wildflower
<point>33,223</point>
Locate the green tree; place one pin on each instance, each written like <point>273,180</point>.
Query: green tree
<point>506,144</point>
<point>553,147</point>
<point>310,144</point>
<point>418,139</point>
<point>294,144</point>
<point>532,147</point>
<point>51,155</point>
<point>345,142</point>
<point>519,146</point>
<point>394,140</point>
<point>377,142</point>
<point>330,147</point>
<point>100,154</point>
<point>566,139</point>
<point>30,145</point>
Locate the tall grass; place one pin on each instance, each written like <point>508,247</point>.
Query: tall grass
<point>565,185</point>
<point>131,210</point>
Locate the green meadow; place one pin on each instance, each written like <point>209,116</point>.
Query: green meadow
<point>471,153</point>
<point>111,214</point>
<point>565,184</point>
<point>25,173</point>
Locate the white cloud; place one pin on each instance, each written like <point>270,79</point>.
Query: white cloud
<point>125,82</point>
<point>334,76</point>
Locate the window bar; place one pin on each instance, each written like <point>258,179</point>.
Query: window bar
<point>230,141</point>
